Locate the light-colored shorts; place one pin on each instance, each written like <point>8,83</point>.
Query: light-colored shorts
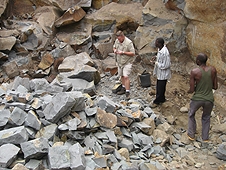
<point>125,71</point>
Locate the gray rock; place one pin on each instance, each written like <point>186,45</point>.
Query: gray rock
<point>79,98</point>
<point>8,154</point>
<point>116,165</point>
<point>90,111</point>
<point>21,81</point>
<point>100,161</point>
<point>77,135</point>
<point>63,127</point>
<point>59,157</point>
<point>72,124</point>
<point>142,126</point>
<point>146,166</point>
<point>77,156</point>
<point>63,50</point>
<point>101,135</point>
<point>34,164</point>
<point>135,138</point>
<point>47,132</point>
<point>36,148</point>
<point>2,91</point>
<point>221,152</point>
<point>31,132</point>
<point>149,111</point>
<point>14,135</point>
<point>90,141</point>
<point>126,143</point>
<point>111,136</point>
<point>4,117</point>
<point>182,152</point>
<point>61,81</point>
<point>21,89</point>
<point>32,120</point>
<point>123,112</point>
<point>158,150</point>
<point>126,132</point>
<point>42,85</point>
<point>106,104</point>
<point>107,149</point>
<point>59,107</point>
<point>90,164</point>
<point>145,139</point>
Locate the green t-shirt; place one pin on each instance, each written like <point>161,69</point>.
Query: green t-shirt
<point>203,89</point>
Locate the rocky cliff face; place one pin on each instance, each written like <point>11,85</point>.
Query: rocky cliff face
<point>206,31</point>
<point>57,108</point>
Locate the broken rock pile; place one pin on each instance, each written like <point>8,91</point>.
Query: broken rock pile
<point>49,126</point>
<point>42,125</point>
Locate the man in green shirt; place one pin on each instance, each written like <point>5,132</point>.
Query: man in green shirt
<point>202,82</point>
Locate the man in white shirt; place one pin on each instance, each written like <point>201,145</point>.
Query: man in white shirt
<point>161,71</point>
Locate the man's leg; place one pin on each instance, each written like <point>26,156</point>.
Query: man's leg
<point>127,83</point>
<point>120,73</point>
<point>194,106</point>
<point>126,72</point>
<point>160,91</point>
<point>207,109</point>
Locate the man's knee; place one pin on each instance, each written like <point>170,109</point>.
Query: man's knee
<point>126,77</point>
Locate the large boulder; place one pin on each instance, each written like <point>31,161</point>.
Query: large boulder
<point>201,31</point>
<point>46,16</point>
<point>158,21</point>
<point>73,14</point>
<point>3,5</point>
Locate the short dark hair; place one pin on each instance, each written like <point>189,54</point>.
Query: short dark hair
<point>119,33</point>
<point>160,41</point>
<point>202,57</point>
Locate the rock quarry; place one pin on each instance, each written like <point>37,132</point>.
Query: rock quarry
<point>58,80</point>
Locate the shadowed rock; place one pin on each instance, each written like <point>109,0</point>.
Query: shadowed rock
<point>8,154</point>
<point>73,14</point>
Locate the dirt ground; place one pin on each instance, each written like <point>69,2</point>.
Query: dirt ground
<point>177,97</point>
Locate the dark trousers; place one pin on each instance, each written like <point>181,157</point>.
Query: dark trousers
<point>160,91</point>
<point>206,113</point>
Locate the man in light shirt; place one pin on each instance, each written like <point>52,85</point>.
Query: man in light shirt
<point>161,71</point>
<point>124,54</point>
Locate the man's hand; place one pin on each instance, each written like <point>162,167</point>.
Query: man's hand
<point>120,52</point>
<point>153,60</point>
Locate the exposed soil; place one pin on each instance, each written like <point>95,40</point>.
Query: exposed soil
<point>177,97</point>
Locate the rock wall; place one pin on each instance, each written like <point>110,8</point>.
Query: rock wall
<point>206,31</point>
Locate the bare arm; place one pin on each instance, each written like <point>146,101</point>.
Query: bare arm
<point>131,54</point>
<point>214,78</point>
<point>192,82</point>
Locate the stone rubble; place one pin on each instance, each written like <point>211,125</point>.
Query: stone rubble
<point>58,105</point>
<point>55,128</point>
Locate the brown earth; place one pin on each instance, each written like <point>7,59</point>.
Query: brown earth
<point>177,97</point>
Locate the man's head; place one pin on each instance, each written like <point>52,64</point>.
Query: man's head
<point>159,42</point>
<point>120,36</point>
<point>201,59</point>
